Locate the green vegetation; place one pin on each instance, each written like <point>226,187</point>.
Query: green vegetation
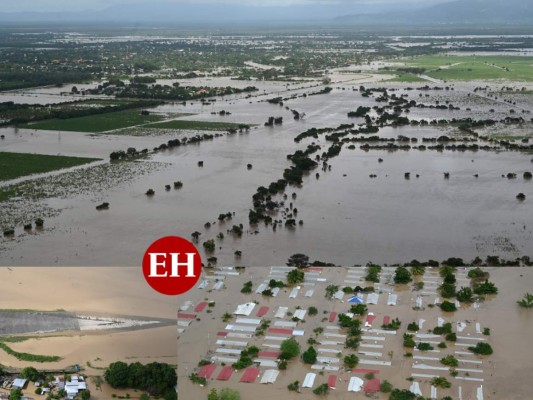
<point>158,379</point>
<point>526,301</point>
<point>465,68</point>
<point>359,309</point>
<point>99,122</point>
<point>448,307</point>
<point>445,328</point>
<point>351,361</point>
<point>413,327</point>
<point>449,361</point>
<point>372,274</point>
<point>385,387</point>
<point>321,390</point>
<point>477,273</point>
<point>309,356</point>
<point>423,346</point>
<point>295,276</point>
<point>465,295</point>
<point>15,165</point>
<point>26,356</point>
<point>198,125</point>
<point>289,349</point>
<point>247,287</point>
<point>481,348</point>
<point>312,311</point>
<point>485,288</point>
<point>393,325</point>
<point>442,382</point>
<point>402,394</point>
<point>224,394</point>
<point>402,276</point>
<point>331,290</point>
<point>408,340</point>
<point>294,386</point>
<point>451,337</point>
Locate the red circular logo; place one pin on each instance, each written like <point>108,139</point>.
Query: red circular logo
<point>172,265</point>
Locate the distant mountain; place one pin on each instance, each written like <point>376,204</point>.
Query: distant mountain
<point>379,13</point>
<point>459,12</point>
<point>198,12</point>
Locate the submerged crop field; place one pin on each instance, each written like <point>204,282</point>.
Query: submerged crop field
<point>344,146</point>
<point>15,165</point>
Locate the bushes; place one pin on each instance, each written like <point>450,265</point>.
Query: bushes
<point>477,273</point>
<point>289,349</point>
<point>464,295</point>
<point>445,328</point>
<point>448,307</point>
<point>403,394</point>
<point>247,288</point>
<point>423,346</point>
<point>385,387</point>
<point>359,309</point>
<point>450,361</point>
<point>321,390</point>
<point>481,348</point>
<point>294,386</point>
<point>393,325</point>
<point>309,356</point>
<point>485,288</point>
<point>295,276</point>
<point>351,361</point>
<point>526,301</point>
<point>312,311</point>
<point>442,382</point>
<point>413,327</point>
<point>451,337</point>
<point>447,290</point>
<point>402,276</point>
<point>408,340</point>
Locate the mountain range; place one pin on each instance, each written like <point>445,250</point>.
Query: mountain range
<point>457,12</point>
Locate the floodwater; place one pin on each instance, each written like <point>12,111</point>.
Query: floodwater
<point>348,217</point>
<point>504,373</point>
<point>87,291</point>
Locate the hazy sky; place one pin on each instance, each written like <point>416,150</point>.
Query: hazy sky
<point>79,5</point>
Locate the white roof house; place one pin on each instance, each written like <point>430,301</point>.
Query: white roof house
<point>270,376</point>
<point>244,309</point>
<point>19,383</point>
<point>355,384</point>
<point>309,380</point>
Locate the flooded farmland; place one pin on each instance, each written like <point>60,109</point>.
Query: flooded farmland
<point>384,219</point>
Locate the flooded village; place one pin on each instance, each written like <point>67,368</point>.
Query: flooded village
<point>356,332</point>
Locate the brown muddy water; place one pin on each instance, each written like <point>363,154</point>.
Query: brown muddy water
<point>505,373</point>
<point>348,217</point>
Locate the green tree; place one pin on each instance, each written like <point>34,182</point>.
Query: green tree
<point>117,374</point>
<point>295,276</point>
<point>213,395</point>
<point>402,275</point>
<point>331,290</point>
<point>145,396</point>
<point>289,349</point>
<point>309,356</point>
<point>464,295</point>
<point>30,373</point>
<point>403,394</point>
<point>350,361</point>
<point>229,394</point>
<point>16,394</point>
<point>85,395</point>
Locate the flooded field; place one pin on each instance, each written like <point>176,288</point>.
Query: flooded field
<point>385,218</point>
<point>207,333</point>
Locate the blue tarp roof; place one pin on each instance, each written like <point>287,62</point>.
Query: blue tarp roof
<point>355,299</point>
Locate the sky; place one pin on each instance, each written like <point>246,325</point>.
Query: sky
<point>82,5</point>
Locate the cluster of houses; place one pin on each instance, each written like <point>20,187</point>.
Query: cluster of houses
<point>72,386</point>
